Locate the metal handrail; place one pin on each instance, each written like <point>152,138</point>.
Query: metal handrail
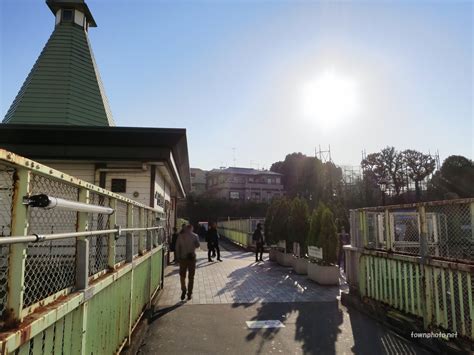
<point>45,237</point>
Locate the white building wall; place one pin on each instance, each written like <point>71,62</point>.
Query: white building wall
<point>137,181</point>
<point>82,171</point>
<point>138,184</point>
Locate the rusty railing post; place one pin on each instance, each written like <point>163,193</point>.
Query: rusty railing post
<point>112,241</point>
<point>149,234</point>
<point>129,259</point>
<point>17,258</point>
<point>426,289</point>
<point>141,234</point>
<point>130,235</point>
<point>82,245</point>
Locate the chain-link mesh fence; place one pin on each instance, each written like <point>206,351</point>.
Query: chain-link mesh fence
<point>450,231</point>
<point>440,289</point>
<point>448,225</point>
<point>120,243</point>
<point>51,261</point>
<point>98,245</point>
<point>406,231</point>
<point>6,194</point>
<point>50,265</point>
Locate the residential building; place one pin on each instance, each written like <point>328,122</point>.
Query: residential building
<point>198,181</point>
<point>244,184</point>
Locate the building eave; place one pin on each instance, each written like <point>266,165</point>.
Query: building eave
<point>101,144</point>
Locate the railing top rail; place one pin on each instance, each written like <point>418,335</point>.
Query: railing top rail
<point>45,237</point>
<point>13,159</point>
<point>418,204</point>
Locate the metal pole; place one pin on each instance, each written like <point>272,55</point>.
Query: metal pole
<point>112,240</point>
<point>17,258</point>
<point>426,278</point>
<point>82,245</point>
<point>130,236</point>
<point>49,202</point>
<point>44,237</point>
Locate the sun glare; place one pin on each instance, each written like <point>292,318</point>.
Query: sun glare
<point>330,99</point>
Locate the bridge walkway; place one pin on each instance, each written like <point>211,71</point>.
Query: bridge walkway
<point>231,293</point>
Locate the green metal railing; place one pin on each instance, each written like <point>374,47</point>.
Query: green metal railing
<point>418,259</point>
<point>240,230</point>
<point>72,282</point>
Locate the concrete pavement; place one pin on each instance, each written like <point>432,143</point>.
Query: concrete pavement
<point>229,294</point>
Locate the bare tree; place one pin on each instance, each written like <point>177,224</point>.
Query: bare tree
<point>393,164</point>
<point>419,166</point>
<point>374,168</point>
<point>386,168</point>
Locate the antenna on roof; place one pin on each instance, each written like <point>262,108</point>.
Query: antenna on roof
<point>233,156</point>
<point>324,155</point>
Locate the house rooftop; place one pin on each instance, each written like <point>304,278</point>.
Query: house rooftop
<point>243,171</point>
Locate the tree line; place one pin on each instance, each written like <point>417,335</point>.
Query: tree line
<point>388,177</point>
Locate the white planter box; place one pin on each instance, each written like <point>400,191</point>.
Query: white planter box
<point>279,257</point>
<point>287,260</point>
<point>324,275</point>
<point>272,254</point>
<point>300,266</point>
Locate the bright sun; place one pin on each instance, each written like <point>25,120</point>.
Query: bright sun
<point>330,99</point>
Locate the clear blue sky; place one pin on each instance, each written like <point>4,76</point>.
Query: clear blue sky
<point>231,72</point>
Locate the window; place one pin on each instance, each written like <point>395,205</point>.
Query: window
<point>269,181</point>
<point>119,185</point>
<point>234,195</point>
<point>250,179</point>
<point>278,180</point>
<point>68,15</point>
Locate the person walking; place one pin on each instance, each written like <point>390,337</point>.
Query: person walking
<point>258,239</point>
<point>212,238</point>
<point>344,239</point>
<point>174,237</point>
<point>186,245</point>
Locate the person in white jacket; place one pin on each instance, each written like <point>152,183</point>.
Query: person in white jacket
<point>185,252</point>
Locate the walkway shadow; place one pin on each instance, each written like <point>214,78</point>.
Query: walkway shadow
<point>161,312</point>
<point>370,337</point>
<point>276,298</point>
<point>317,325</point>
<point>321,325</point>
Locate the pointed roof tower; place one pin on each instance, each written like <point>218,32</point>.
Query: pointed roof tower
<point>64,86</point>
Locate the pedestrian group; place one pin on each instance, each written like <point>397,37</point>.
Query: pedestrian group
<point>185,243</point>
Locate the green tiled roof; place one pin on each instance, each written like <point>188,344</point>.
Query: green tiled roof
<point>64,86</point>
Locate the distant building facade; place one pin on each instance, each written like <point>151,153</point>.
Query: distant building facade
<point>198,181</point>
<point>244,184</point>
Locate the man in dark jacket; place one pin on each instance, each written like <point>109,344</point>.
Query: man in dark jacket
<point>186,245</point>
<point>212,238</point>
<point>174,236</point>
<point>258,239</point>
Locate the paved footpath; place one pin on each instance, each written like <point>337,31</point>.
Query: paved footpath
<point>230,293</point>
